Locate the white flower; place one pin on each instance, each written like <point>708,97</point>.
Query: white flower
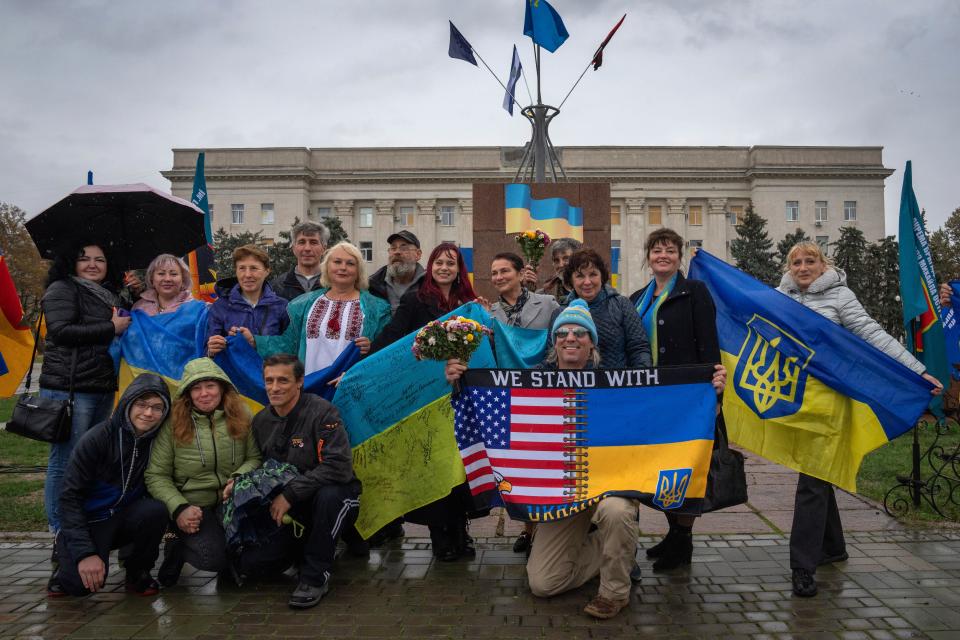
<point>451,337</point>
<point>432,340</point>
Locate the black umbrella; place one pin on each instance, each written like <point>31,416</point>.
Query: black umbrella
<point>246,514</point>
<point>134,221</point>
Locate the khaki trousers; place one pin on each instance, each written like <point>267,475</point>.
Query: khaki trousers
<point>565,554</point>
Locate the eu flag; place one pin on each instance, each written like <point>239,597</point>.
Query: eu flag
<point>803,391</point>
<point>459,47</point>
<point>543,25</point>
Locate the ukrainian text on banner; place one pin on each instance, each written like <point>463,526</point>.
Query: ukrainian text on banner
<point>548,444</point>
<point>801,390</point>
<point>554,216</point>
<point>397,413</point>
<point>951,330</point>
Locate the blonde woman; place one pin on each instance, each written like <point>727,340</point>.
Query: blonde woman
<point>323,322</point>
<point>817,534</point>
<point>168,282</point>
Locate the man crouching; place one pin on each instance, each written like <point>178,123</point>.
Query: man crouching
<point>104,504</point>
<point>305,431</point>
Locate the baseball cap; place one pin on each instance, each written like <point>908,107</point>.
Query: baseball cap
<point>406,236</point>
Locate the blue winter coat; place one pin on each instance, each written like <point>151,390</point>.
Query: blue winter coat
<point>268,318</point>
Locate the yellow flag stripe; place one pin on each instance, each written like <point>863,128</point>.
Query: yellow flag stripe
<point>637,467</point>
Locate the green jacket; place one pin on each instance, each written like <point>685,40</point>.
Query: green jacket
<point>376,316</point>
<point>180,475</point>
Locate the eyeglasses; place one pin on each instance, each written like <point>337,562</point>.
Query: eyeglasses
<point>404,248</point>
<point>143,405</point>
<point>578,332</point>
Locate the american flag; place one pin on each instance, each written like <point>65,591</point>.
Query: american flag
<point>522,442</point>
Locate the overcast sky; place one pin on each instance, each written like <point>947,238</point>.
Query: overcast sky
<point>113,86</point>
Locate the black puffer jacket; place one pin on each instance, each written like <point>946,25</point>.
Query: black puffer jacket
<point>108,456</point>
<point>77,319</point>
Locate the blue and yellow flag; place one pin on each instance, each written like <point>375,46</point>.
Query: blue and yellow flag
<point>615,267</point>
<point>554,216</point>
<point>548,444</point>
<point>16,341</point>
<point>801,390</point>
<point>397,412</point>
<point>918,287</point>
<point>518,347</point>
<point>951,330</point>
<point>543,25</point>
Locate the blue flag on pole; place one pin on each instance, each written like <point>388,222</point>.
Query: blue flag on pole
<point>918,288</point>
<point>508,98</point>
<point>543,25</point>
<point>459,47</point>
<point>201,260</point>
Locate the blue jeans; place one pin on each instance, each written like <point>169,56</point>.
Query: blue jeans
<point>88,409</point>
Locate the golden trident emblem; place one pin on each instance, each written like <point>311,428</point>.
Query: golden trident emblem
<point>672,490</point>
<point>771,370</point>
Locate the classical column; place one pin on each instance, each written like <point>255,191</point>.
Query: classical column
<point>343,209</point>
<point>632,272</point>
<point>426,224</point>
<point>464,222</point>
<point>383,227</point>
<point>717,226</point>
<point>675,215</point>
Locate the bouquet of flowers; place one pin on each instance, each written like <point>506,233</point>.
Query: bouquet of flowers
<point>533,244</point>
<point>456,337</point>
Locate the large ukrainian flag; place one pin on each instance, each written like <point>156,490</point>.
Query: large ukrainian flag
<point>398,414</point>
<point>801,390</point>
<point>553,216</point>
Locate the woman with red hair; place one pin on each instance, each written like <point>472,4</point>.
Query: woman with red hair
<point>445,287</point>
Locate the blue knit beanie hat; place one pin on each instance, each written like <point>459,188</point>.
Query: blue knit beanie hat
<point>577,312</point>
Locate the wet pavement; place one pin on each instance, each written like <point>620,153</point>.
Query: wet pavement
<point>898,583</point>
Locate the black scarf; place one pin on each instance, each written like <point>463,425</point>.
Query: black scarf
<point>513,311</point>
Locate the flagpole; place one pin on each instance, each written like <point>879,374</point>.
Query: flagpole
<point>493,74</point>
<point>536,57</point>
<point>577,82</point>
<point>523,73</point>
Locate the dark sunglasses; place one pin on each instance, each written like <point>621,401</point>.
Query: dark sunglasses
<point>578,332</point>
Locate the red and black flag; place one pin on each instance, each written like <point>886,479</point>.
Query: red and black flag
<point>598,56</point>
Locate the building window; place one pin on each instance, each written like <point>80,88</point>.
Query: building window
<point>824,242</point>
<point>366,250</point>
<point>655,214</point>
<point>736,215</point>
<point>821,211</point>
<point>323,212</point>
<point>365,217</point>
<point>614,215</point>
<point>793,210</point>
<point>446,216</point>
<point>266,213</point>
<point>695,217</point>
<point>850,210</point>
<point>406,216</point>
<point>695,244</point>
<point>237,211</point>
<point>210,206</point>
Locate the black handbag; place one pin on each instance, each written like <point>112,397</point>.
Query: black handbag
<point>38,418</point>
<point>726,480</point>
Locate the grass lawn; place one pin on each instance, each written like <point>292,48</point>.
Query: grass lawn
<point>6,408</point>
<point>21,494</point>
<point>881,467</point>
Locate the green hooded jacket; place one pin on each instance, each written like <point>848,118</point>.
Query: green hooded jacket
<point>195,473</point>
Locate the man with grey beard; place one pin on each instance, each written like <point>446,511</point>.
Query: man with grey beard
<point>402,271</point>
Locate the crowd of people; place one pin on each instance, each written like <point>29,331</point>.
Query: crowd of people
<point>160,464</point>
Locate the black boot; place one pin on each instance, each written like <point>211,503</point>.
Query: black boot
<point>678,552</point>
<point>658,549</point>
<point>173,560</point>
<point>444,543</point>
<point>464,543</point>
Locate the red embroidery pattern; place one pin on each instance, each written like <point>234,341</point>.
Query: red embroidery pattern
<point>316,316</point>
<point>335,324</point>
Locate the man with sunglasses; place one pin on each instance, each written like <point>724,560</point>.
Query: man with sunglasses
<point>104,504</point>
<point>567,553</point>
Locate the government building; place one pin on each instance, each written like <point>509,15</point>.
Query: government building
<point>701,192</point>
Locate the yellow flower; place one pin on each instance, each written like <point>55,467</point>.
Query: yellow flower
<point>469,337</point>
